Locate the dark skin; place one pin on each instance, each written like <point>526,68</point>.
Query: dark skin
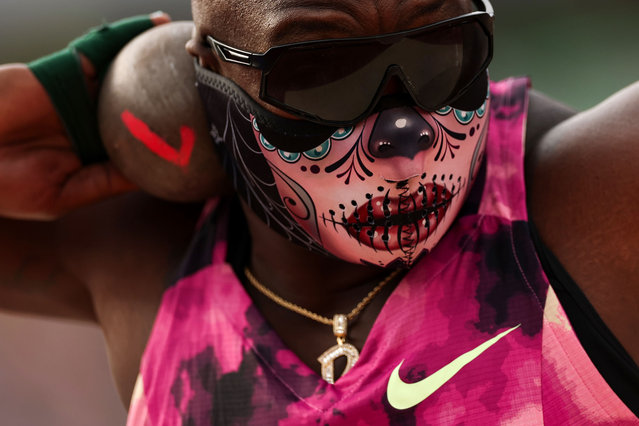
<point>89,265</point>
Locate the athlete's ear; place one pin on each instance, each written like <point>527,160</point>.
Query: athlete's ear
<point>200,49</point>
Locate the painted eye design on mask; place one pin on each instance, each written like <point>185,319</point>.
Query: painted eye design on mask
<point>266,144</point>
<point>464,117</point>
<point>481,111</point>
<point>289,157</point>
<point>342,133</point>
<point>319,152</point>
<point>444,111</point>
<point>255,126</point>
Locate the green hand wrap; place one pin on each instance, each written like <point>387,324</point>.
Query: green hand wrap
<point>62,77</point>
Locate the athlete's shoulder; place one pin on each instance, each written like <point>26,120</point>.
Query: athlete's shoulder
<point>581,181</point>
<point>544,113</point>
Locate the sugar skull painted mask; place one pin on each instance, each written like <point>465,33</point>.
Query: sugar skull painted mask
<point>383,191</point>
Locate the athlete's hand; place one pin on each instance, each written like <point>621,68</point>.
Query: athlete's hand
<point>41,176</point>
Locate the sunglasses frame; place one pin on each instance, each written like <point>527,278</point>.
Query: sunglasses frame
<point>265,61</point>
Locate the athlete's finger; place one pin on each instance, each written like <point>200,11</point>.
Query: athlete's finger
<point>159,18</point>
<point>92,184</point>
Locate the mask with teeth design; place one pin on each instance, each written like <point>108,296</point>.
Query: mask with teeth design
<point>382,192</point>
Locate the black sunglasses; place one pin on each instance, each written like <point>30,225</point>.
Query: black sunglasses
<point>340,81</point>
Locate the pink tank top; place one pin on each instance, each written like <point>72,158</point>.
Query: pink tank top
<point>473,334</point>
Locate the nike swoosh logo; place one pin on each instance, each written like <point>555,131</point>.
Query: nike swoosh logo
<point>402,396</point>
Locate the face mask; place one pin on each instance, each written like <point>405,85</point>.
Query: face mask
<point>382,192</point>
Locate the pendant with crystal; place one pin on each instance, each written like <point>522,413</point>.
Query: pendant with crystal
<point>327,359</point>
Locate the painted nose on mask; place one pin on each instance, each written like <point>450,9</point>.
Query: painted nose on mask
<point>400,131</point>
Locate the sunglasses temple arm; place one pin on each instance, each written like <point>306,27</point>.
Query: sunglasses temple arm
<point>236,56</point>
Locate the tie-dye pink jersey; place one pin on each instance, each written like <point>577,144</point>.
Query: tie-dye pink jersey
<point>480,335</point>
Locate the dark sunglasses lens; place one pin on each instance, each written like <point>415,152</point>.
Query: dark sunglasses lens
<point>476,57</point>
<point>331,83</point>
<point>444,63</point>
<point>431,64</point>
<point>339,82</point>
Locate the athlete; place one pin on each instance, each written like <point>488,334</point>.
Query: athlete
<point>401,206</point>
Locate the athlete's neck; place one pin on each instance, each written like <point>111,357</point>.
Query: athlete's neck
<point>322,284</point>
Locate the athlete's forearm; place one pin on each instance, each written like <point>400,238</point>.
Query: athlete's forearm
<point>24,110</point>
<point>32,278</point>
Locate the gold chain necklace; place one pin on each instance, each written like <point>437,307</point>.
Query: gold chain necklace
<point>339,323</point>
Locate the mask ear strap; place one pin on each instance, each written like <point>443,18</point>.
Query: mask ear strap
<point>284,133</point>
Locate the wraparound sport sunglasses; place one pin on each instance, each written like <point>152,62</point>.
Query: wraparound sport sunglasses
<point>340,81</point>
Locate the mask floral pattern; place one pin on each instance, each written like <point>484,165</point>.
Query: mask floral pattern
<point>382,192</point>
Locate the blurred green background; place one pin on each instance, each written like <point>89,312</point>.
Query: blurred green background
<point>579,52</point>
<point>576,51</point>
<point>54,373</point>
